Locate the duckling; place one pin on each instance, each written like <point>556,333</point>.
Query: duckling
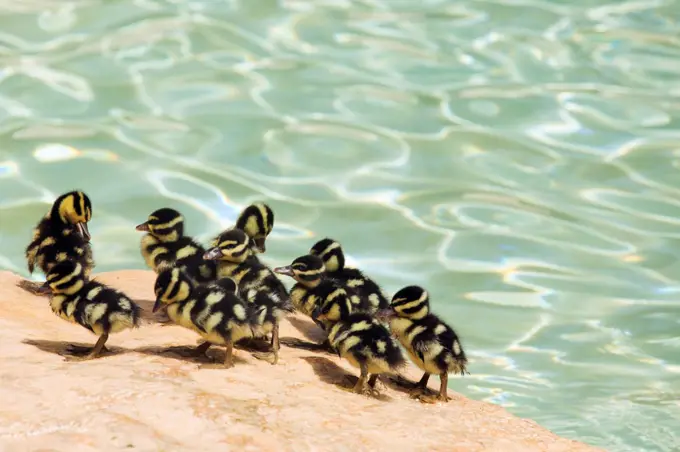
<point>256,220</point>
<point>61,235</point>
<point>165,244</point>
<point>213,310</point>
<point>312,289</point>
<point>265,292</point>
<point>359,338</point>
<point>91,304</point>
<point>355,280</point>
<point>432,344</point>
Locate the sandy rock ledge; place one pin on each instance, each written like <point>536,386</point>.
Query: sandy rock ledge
<point>144,397</point>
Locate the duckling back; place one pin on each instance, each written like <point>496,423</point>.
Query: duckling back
<point>219,314</point>
<point>362,340</point>
<point>366,293</point>
<point>266,309</point>
<point>213,310</point>
<point>91,304</point>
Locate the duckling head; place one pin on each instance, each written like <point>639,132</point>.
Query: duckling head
<point>172,286</point>
<point>411,302</point>
<point>232,245</point>
<point>307,270</point>
<point>73,208</point>
<point>66,277</point>
<point>331,253</point>
<point>166,224</point>
<point>257,220</point>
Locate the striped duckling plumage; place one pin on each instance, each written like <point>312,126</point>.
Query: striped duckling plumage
<point>431,344</point>
<point>355,281</point>
<point>166,245</point>
<point>61,235</point>
<point>90,304</point>
<point>312,289</point>
<point>360,339</point>
<point>213,310</point>
<point>268,298</point>
<point>257,221</point>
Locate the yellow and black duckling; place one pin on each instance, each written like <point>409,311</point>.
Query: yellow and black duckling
<point>432,344</point>
<point>61,235</point>
<point>312,290</point>
<point>359,338</point>
<point>256,220</point>
<point>91,304</point>
<point>165,245</point>
<point>256,282</point>
<point>357,283</point>
<point>213,310</point>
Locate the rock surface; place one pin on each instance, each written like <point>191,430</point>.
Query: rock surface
<point>143,397</point>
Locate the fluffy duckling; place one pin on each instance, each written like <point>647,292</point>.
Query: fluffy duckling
<point>256,220</point>
<point>91,304</point>
<point>267,295</point>
<point>313,289</point>
<point>165,244</point>
<point>213,310</point>
<point>355,280</point>
<point>61,235</point>
<point>432,345</point>
<point>360,339</point>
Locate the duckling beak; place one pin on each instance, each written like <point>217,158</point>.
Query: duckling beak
<point>287,270</point>
<point>144,227</point>
<point>83,231</point>
<point>259,244</point>
<point>157,305</point>
<point>385,314</point>
<point>213,254</point>
<point>45,288</point>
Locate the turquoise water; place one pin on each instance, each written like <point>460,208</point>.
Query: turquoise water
<point>517,158</point>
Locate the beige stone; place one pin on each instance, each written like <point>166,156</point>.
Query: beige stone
<point>141,397</point>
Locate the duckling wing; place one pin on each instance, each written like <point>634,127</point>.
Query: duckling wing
<point>365,287</point>
<point>189,254</point>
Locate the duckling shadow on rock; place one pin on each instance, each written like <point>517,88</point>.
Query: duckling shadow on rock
<point>187,353</point>
<point>331,373</point>
<point>311,331</point>
<point>308,329</point>
<point>69,349</point>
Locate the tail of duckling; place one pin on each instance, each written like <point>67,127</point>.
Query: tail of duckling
<point>33,287</point>
<point>457,361</point>
<point>128,315</point>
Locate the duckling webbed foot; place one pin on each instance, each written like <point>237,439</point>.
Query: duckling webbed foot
<point>201,349</point>
<point>94,352</point>
<point>362,385</point>
<point>80,350</point>
<point>228,360</point>
<point>271,357</point>
<point>420,390</point>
